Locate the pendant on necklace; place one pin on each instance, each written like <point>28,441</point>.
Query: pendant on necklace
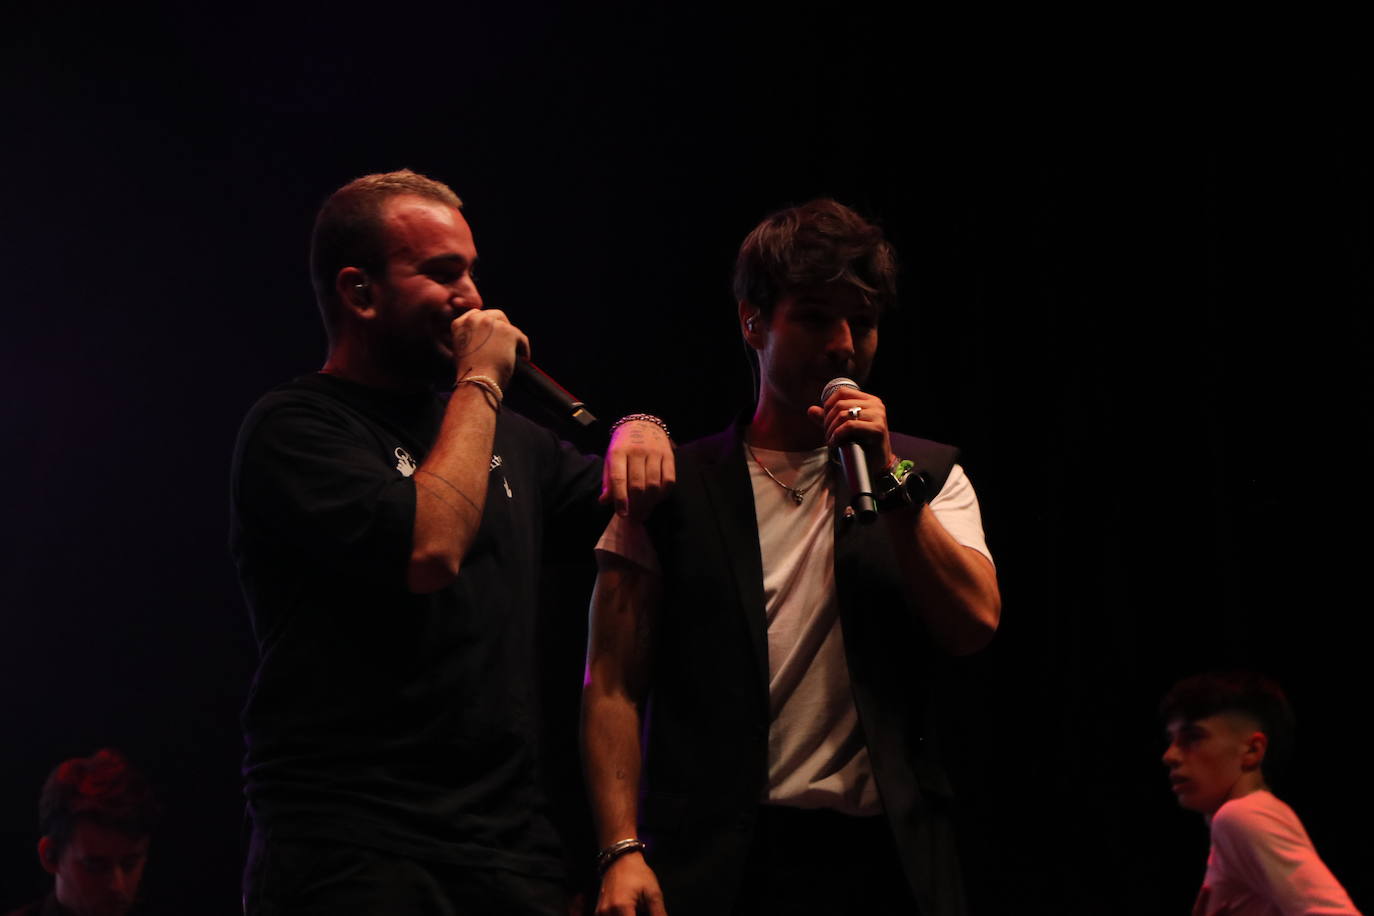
<point>796,495</point>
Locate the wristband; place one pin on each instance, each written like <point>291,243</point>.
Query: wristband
<point>642,417</point>
<point>900,487</point>
<point>605,857</point>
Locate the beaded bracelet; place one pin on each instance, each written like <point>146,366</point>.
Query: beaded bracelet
<point>487,384</point>
<point>642,417</point>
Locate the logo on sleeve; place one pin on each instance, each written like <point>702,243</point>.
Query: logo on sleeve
<point>404,463</point>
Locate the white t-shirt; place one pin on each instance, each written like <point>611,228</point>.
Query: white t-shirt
<point>1262,863</point>
<point>817,757</point>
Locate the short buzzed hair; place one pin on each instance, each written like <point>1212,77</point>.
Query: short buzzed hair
<point>349,231</point>
<point>103,789</point>
<point>819,243</point>
<point>1242,692</point>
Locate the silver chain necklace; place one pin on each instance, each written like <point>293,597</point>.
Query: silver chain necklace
<point>797,493</point>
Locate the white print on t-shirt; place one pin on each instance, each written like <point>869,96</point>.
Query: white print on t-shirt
<point>496,463</point>
<point>404,463</point>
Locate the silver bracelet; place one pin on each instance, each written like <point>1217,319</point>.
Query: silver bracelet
<point>643,418</point>
<point>624,847</point>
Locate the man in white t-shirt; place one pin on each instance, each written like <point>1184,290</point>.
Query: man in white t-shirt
<point>1229,734</point>
<point>771,644</point>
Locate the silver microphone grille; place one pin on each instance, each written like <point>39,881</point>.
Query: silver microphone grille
<point>835,384</point>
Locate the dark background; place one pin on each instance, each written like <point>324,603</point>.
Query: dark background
<point>1136,291</point>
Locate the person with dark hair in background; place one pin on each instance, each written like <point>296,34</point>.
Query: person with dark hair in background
<point>95,819</point>
<point>1230,735</point>
<point>777,650</point>
<point>389,541</point>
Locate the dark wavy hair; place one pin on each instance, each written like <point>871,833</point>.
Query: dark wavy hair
<point>103,789</point>
<point>816,244</point>
<point>349,231</point>
<point>1247,693</point>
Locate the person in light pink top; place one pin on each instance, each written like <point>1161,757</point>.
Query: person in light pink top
<point>1229,735</point>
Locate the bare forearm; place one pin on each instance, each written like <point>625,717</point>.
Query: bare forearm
<point>624,603</point>
<point>954,587</point>
<point>451,490</point>
<point>611,756</point>
<point>610,750</point>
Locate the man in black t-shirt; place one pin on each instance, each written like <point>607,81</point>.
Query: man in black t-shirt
<point>388,541</point>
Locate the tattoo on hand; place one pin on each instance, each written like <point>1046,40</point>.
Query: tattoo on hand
<point>639,432</point>
<point>466,351</point>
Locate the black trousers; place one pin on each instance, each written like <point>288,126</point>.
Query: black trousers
<point>308,877</point>
<point>822,862</point>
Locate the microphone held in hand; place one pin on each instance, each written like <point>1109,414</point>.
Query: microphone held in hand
<point>854,462</point>
<point>551,394</point>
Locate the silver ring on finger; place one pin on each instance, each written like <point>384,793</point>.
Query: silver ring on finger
<point>854,412</point>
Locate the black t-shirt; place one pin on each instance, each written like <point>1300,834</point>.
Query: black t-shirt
<point>377,716</point>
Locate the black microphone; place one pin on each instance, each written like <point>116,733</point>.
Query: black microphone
<point>548,392</point>
<point>854,462</point>
<point>551,394</point>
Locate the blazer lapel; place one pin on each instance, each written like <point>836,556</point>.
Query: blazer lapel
<point>727,485</point>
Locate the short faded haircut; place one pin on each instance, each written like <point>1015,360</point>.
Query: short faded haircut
<point>1246,693</point>
<point>349,231</point>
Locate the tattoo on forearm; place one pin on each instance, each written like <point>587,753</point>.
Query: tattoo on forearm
<point>453,507</point>
<point>476,508</point>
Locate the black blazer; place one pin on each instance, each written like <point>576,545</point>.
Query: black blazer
<point>707,724</point>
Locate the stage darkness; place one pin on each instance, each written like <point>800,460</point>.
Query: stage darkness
<point>1135,291</point>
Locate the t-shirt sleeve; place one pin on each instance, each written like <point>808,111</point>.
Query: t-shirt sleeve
<point>572,480</point>
<point>569,483</point>
<point>312,484</point>
<point>629,540</point>
<point>1273,856</point>
<point>956,506</point>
